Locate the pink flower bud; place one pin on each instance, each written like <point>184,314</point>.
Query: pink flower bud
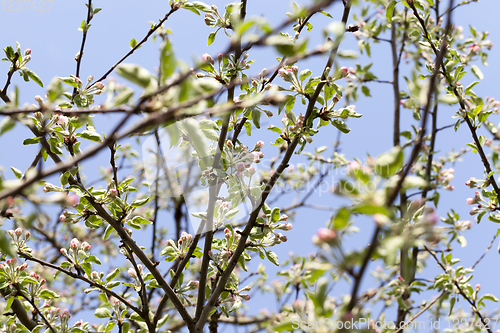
<point>65,314</point>
<point>18,232</point>
<point>73,199</point>
<point>86,246</point>
<point>251,171</point>
<point>325,236</point>
<point>132,273</point>
<point>282,72</point>
<point>62,218</point>
<point>27,52</point>
<point>240,167</point>
<point>206,58</point>
<point>62,121</point>
<point>288,226</point>
<point>259,144</point>
<point>74,244</point>
<point>39,99</point>
<point>344,71</point>
<point>99,85</point>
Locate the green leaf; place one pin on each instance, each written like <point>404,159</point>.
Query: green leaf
<point>133,43</point>
<point>389,11</point>
<point>9,52</point>
<point>123,97</point>
<point>490,297</point>
<point>90,135</point>
<point>477,72</point>
<point>112,275</point>
<point>69,80</point>
<point>275,129</point>
<point>273,257</point>
<point>6,125</point>
<point>366,91</point>
<point>211,38</point>
<point>197,139</point>
<point>167,60</point>
<point>93,259</point>
<point>18,173</point>
<point>5,246</point>
<point>31,141</point>
<point>482,140</point>
<point>135,74</point>
<point>141,220</point>
<point>34,77</point>
<point>275,214</point>
<point>78,191</point>
<point>9,304</point>
<point>287,325</point>
<point>341,218</point>
<point>139,202</point>
<point>48,294</point>
<point>341,126</point>
<point>256,117</point>
<point>102,313</point>
<point>107,233</point>
<point>389,163</point>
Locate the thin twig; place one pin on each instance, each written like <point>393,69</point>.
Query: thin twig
<point>82,278</point>
<point>425,308</point>
<point>484,254</point>
<point>461,292</point>
<point>84,38</point>
<point>47,323</point>
<point>173,9</point>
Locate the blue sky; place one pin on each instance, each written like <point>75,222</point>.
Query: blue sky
<point>54,39</point>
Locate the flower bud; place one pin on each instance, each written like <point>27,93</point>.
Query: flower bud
<point>344,71</point>
<point>132,273</point>
<point>86,246</point>
<point>325,236</point>
<point>18,232</point>
<point>207,59</point>
<point>284,217</point>
<point>27,52</point>
<point>74,244</point>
